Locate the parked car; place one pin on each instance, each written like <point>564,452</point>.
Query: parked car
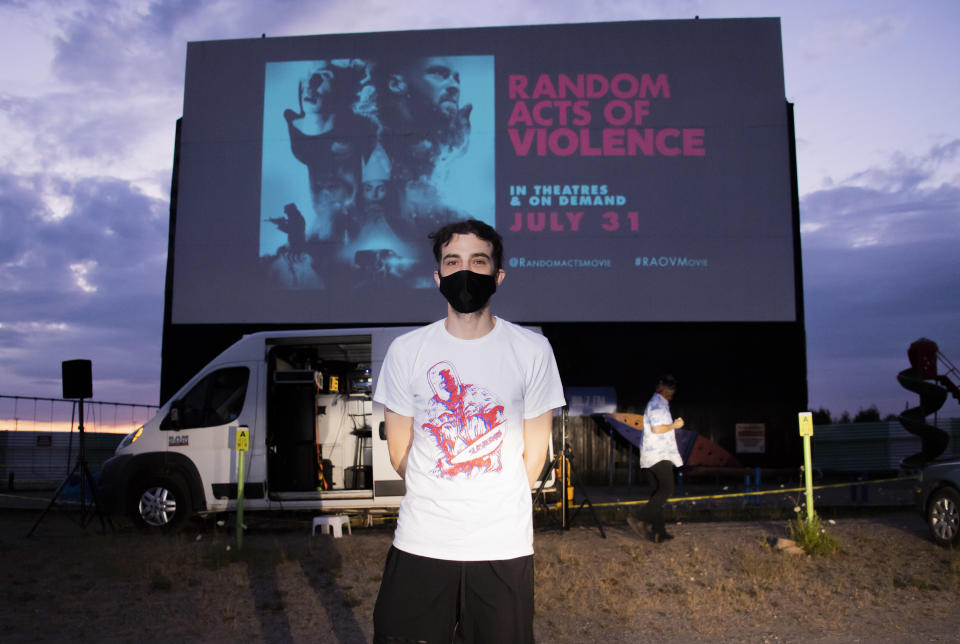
<point>938,497</point>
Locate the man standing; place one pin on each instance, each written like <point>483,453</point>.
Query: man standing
<point>469,406</point>
<point>658,456</point>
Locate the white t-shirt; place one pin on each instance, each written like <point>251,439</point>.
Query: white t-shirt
<point>468,498</point>
<point>658,447</point>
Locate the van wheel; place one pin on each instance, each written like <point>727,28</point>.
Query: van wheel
<point>161,503</point>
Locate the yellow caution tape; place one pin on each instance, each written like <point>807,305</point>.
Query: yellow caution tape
<point>734,495</point>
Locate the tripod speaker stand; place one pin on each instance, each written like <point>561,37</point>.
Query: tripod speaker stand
<point>77,384</point>
<point>563,461</point>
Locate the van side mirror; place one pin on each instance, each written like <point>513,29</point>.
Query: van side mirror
<point>174,416</point>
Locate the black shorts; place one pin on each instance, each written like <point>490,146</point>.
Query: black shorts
<point>429,600</point>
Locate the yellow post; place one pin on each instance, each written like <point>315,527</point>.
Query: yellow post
<point>243,444</point>
<point>806,431</point>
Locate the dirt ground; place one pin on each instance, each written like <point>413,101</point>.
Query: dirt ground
<point>718,581</point>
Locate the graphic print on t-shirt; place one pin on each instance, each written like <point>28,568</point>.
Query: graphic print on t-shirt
<point>466,421</point>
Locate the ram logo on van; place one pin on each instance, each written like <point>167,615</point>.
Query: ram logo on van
<point>178,441</point>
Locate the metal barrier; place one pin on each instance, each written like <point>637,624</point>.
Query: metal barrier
<point>32,459</point>
<point>39,438</point>
<point>873,447</point>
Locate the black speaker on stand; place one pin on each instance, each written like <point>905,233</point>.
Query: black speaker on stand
<point>77,378</point>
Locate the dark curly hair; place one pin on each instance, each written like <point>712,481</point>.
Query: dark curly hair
<point>467,227</point>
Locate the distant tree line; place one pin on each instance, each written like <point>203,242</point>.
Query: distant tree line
<point>869,415</point>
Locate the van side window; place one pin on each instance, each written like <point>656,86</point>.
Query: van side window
<point>215,400</point>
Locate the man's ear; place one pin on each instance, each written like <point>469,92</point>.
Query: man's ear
<point>501,274</point>
<point>397,84</point>
<point>436,278</point>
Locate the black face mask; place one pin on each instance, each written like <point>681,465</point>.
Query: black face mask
<point>467,291</point>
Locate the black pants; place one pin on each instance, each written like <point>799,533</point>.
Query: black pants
<point>430,600</point>
<point>660,478</point>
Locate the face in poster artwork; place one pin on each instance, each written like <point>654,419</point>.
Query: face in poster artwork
<point>372,155</point>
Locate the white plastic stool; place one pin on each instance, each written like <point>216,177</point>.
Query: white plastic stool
<point>332,523</point>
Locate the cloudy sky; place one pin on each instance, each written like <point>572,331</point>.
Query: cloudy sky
<point>90,92</point>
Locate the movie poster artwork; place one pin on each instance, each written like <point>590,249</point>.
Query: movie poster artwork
<point>363,158</point>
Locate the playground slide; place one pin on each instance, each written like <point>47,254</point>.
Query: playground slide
<point>933,441</point>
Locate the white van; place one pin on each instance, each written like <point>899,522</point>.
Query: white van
<point>316,439</point>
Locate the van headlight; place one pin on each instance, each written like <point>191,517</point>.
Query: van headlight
<point>131,438</point>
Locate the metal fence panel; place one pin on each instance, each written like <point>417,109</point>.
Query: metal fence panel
<point>50,456</point>
<point>862,447</point>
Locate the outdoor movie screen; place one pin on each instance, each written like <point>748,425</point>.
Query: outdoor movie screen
<point>637,171</point>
